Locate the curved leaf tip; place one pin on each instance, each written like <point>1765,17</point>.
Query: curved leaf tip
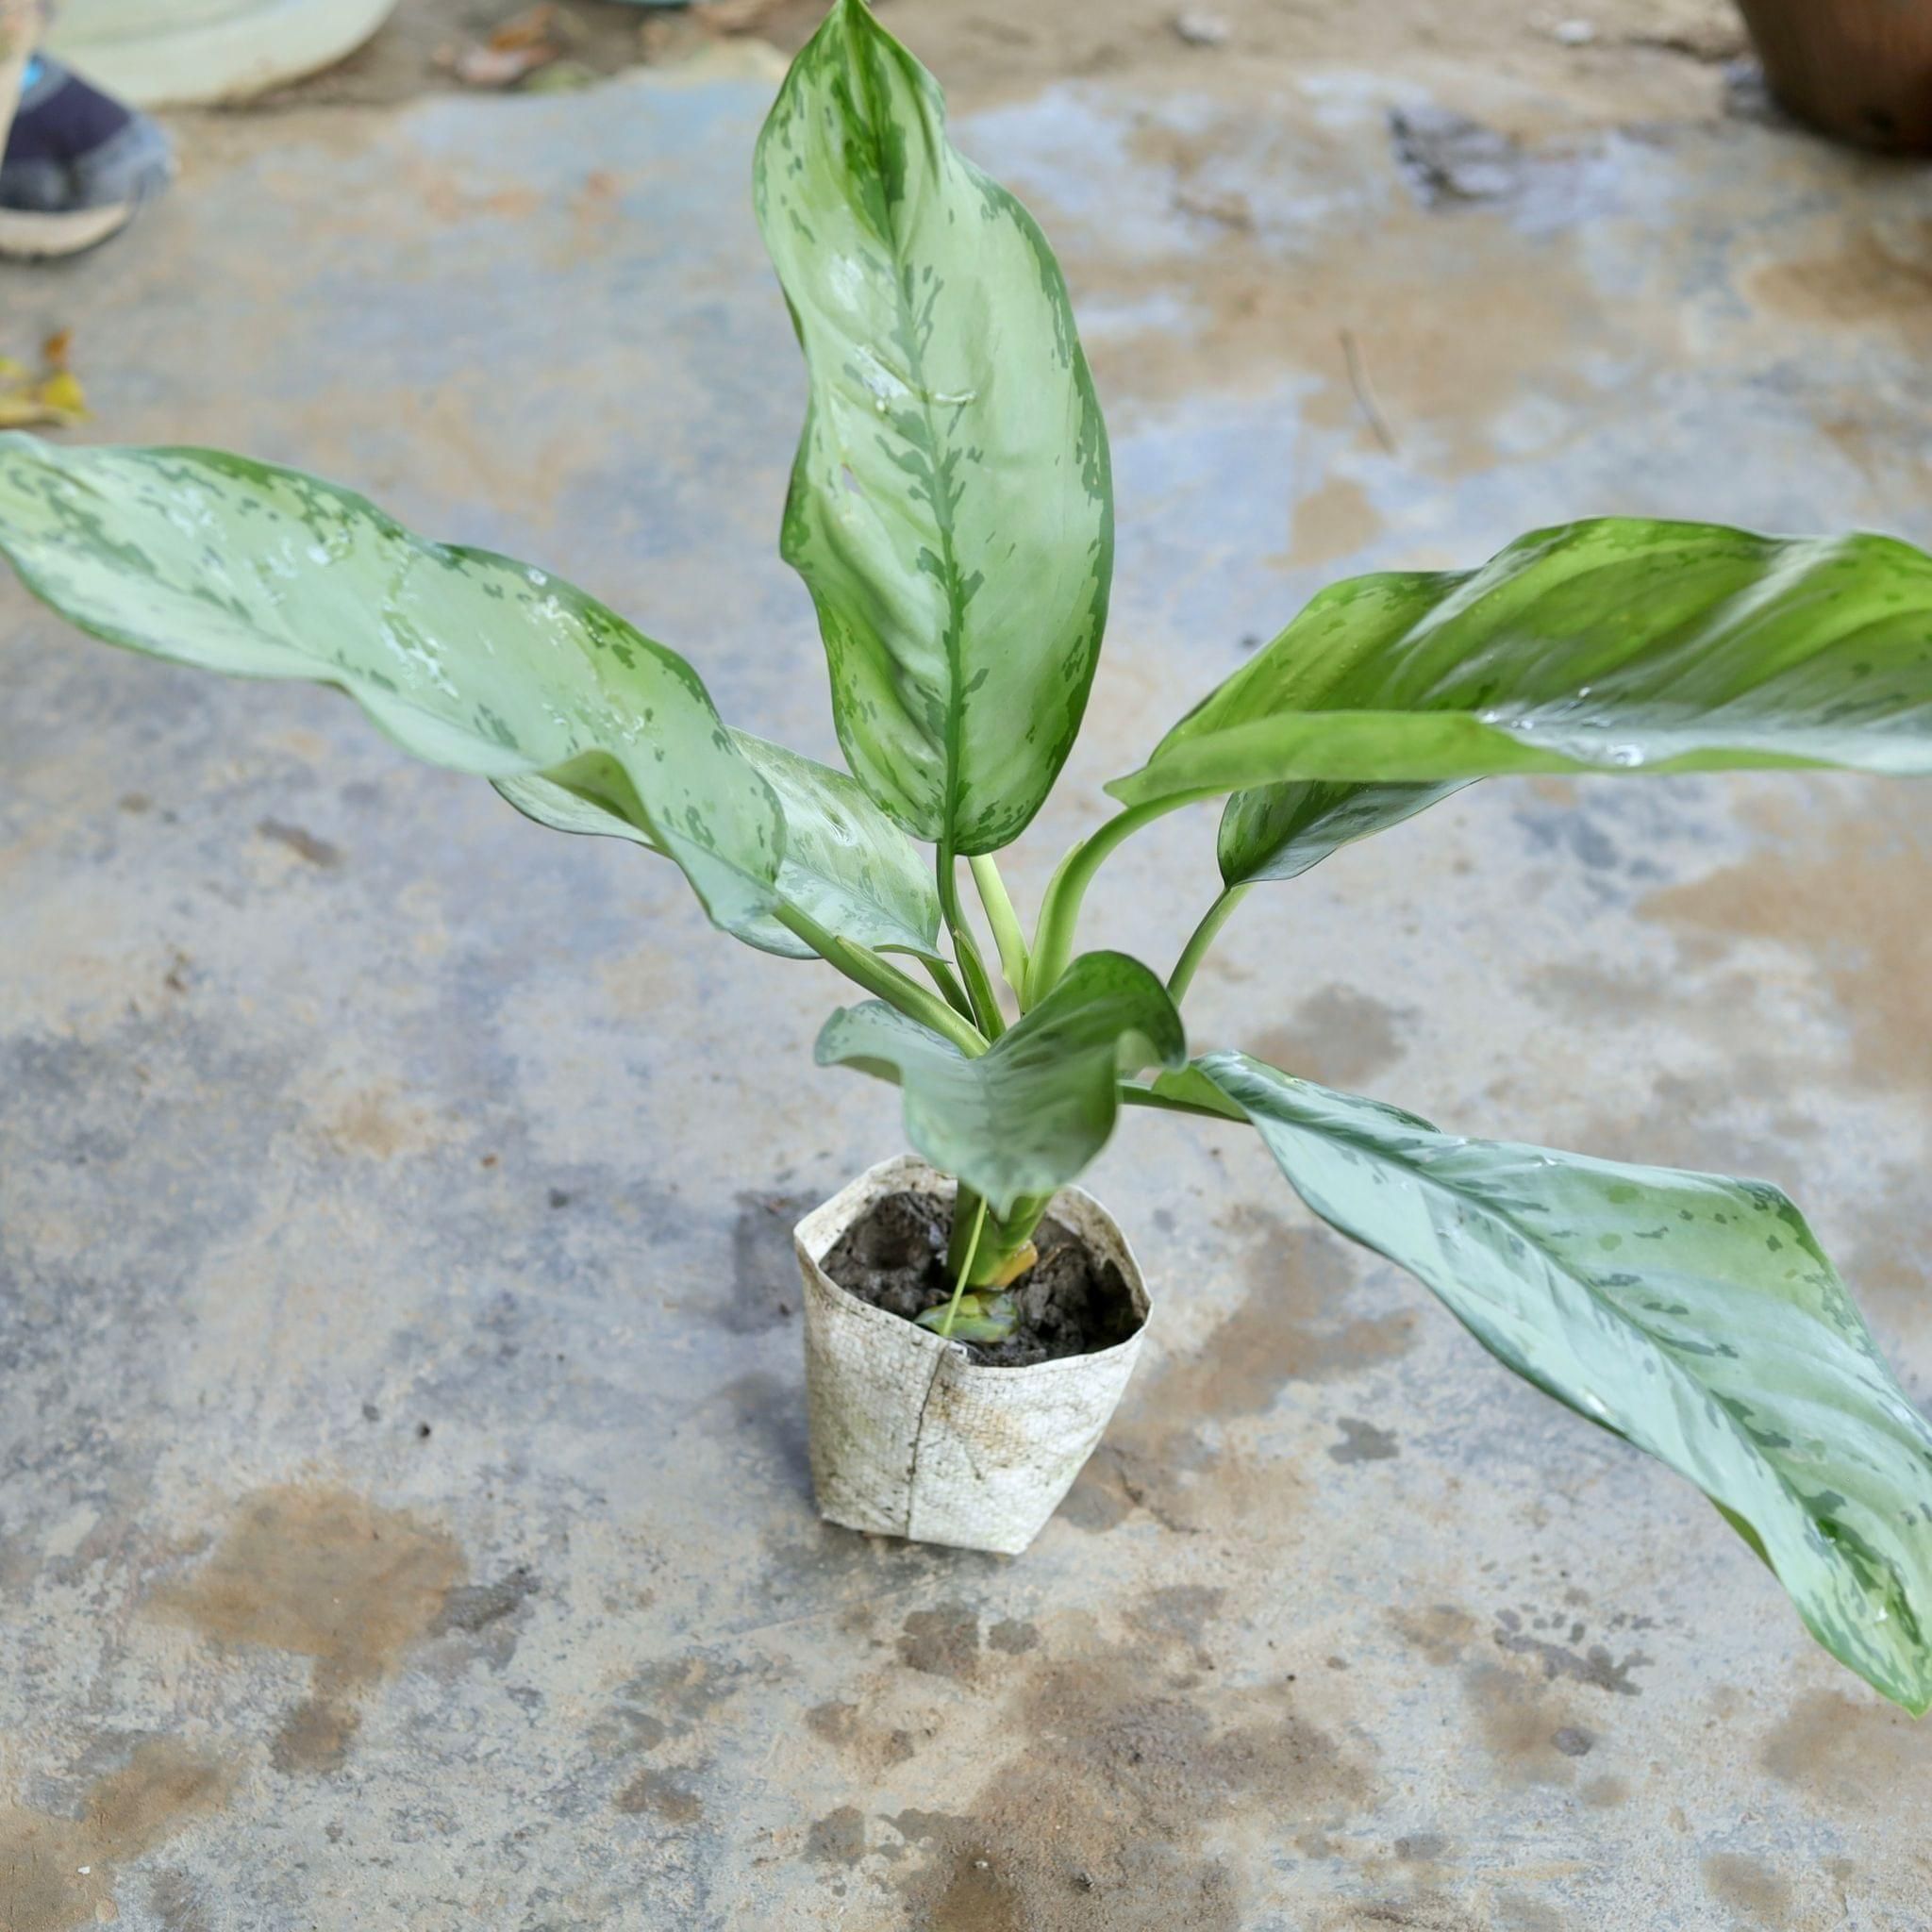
<point>1694,1315</point>
<point>1614,645</point>
<point>467,660</point>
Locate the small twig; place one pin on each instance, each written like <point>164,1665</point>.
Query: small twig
<point>945,1329</point>
<point>1365,393</point>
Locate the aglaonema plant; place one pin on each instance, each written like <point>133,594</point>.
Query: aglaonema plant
<point>950,511</point>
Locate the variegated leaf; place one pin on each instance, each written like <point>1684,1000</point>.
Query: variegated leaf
<point>951,505</point>
<point>1616,646</point>
<point>846,865</point>
<point>1032,1110</point>
<point>1695,1316</point>
<point>465,659</point>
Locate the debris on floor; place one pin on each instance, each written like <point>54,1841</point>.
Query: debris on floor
<point>731,17</point>
<point>1447,156</point>
<point>50,397</point>
<point>1199,29</point>
<point>513,51</point>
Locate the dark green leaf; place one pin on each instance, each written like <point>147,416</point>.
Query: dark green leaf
<point>1032,1110</point>
<point>951,507</point>
<point>1694,1315</point>
<point>465,659</point>
<point>1616,646</point>
<point>1279,831</point>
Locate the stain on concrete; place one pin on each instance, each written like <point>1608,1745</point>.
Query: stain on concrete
<point>1097,1820</point>
<point>1591,993</point>
<point>1293,1325</point>
<point>1012,1636</point>
<point>1420,1848</point>
<point>869,1748</point>
<point>1335,520</point>
<point>327,1575</point>
<point>1888,1265</point>
<point>1101,1498</point>
<point>473,1607</point>
<point>1874,277</point>
<point>1851,1751</point>
<point>837,1839</point>
<point>1338,1036</point>
<point>976,1896</point>
<point>1842,888</point>
<point>375,1122</point>
<point>1595,1666</point>
<point>943,1643</point>
<point>836,1722</point>
<point>58,1873</point>
<point>1447,157</point>
<point>1362,1441</point>
<point>658,1794</point>
<point>766,1413</point>
<point>322,1573</point>
<point>1752,1895</point>
<point>178,1903</point>
<point>1573,830</point>
<point>1289,1327</point>
<point>1417,1909</point>
<point>1442,388</point>
<point>317,851</point>
<point>1516,1913</point>
<point>764,1267</point>
<point>315,1736</point>
<point>1528,1731</point>
<point>1441,1633</point>
<point>669,1698</point>
<point>1180,1613</point>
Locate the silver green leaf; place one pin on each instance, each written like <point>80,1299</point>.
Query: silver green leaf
<point>951,502</point>
<point>1693,1315</point>
<point>846,865</point>
<point>1030,1112</point>
<point>465,659</point>
<point>1616,646</point>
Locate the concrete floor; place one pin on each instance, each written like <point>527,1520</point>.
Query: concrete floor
<point>404,1519</point>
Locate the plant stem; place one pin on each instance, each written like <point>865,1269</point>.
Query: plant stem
<point>1060,912</point>
<point>965,1269</point>
<point>1132,1095</point>
<point>1196,948</point>
<point>966,1202</point>
<point>1004,922</point>
<point>986,1005</point>
<point>860,963</point>
<point>948,984</point>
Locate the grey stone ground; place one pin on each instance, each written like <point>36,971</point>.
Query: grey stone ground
<point>404,1520</point>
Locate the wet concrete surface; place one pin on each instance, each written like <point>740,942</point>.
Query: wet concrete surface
<point>404,1517</point>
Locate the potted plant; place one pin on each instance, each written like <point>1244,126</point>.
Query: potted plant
<point>1857,69</point>
<point>972,1317</point>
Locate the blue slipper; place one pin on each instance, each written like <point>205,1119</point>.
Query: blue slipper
<point>77,165</point>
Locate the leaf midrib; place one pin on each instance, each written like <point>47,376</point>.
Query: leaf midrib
<point>951,639</point>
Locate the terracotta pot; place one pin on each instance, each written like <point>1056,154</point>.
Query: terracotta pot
<point>1857,69</point>
<point>908,1437</point>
